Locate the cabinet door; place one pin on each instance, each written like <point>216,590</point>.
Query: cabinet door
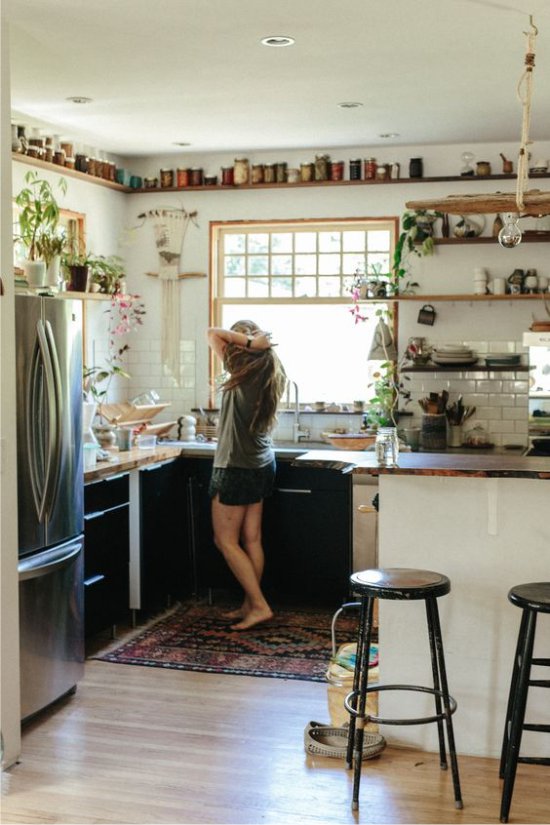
<point>106,553</point>
<point>307,537</point>
<point>165,562</point>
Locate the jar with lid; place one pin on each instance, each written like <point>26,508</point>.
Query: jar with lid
<point>483,168</point>
<point>322,167</point>
<point>257,173</point>
<point>196,177</point>
<point>355,169</point>
<point>383,172</point>
<point>166,178</point>
<point>370,168</point>
<point>387,446</point>
<point>182,178</point>
<point>337,170</point>
<point>270,172</point>
<point>281,172</point>
<point>241,171</point>
<point>227,175</point>
<point>416,168</point>
<point>307,172</point>
<point>395,170</point>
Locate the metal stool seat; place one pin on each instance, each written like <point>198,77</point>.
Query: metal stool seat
<point>403,584</point>
<point>533,599</point>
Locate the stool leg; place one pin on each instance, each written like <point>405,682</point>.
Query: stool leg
<point>437,684</point>
<point>511,695</point>
<point>356,677</point>
<point>362,663</point>
<point>519,703</point>
<point>445,690</point>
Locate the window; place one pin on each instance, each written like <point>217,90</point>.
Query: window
<point>294,279</point>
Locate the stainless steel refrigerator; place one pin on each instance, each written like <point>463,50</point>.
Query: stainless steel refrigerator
<point>50,498</point>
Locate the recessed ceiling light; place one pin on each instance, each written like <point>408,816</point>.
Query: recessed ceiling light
<point>79,99</point>
<point>349,104</point>
<point>277,41</point>
<point>387,135</point>
<point>181,143</point>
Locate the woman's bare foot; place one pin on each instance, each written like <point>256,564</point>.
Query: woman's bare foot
<point>254,617</point>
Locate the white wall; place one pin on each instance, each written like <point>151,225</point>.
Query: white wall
<point>9,670</point>
<point>449,271</point>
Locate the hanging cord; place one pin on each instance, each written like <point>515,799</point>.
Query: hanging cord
<point>524,91</point>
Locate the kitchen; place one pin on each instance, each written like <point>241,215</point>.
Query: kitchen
<point>491,324</point>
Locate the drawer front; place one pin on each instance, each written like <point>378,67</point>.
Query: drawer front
<point>109,492</point>
<point>106,540</point>
<point>106,599</point>
<point>310,478</point>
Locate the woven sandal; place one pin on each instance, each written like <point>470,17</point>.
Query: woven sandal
<point>323,740</point>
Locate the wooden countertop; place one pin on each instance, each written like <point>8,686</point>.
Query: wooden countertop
<point>432,464</point>
<point>131,460</point>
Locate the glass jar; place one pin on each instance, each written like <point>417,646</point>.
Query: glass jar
<point>355,169</point>
<point>241,171</point>
<point>416,168</point>
<point>387,446</point>
<point>370,168</point>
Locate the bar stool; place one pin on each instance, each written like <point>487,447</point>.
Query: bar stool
<point>407,585</point>
<point>533,599</point>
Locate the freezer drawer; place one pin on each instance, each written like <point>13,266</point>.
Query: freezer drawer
<point>51,624</point>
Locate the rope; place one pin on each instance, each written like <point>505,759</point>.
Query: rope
<point>524,92</point>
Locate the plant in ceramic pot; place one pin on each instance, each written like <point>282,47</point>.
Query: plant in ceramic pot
<point>38,218</point>
<point>108,273</point>
<point>76,265</point>
<point>416,238</point>
<point>50,247</point>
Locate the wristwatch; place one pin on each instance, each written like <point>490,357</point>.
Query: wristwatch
<point>249,339</point>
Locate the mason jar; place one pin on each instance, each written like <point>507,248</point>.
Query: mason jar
<point>387,446</point>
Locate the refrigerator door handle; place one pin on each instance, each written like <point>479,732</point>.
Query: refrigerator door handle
<point>48,562</point>
<point>46,356</point>
<point>32,409</point>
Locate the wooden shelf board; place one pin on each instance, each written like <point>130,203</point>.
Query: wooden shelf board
<point>85,296</point>
<point>466,368</point>
<point>70,173</point>
<point>455,297</point>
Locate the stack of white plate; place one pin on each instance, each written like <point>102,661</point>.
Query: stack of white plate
<point>449,355</point>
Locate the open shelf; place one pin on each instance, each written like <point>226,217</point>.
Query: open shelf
<point>467,368</point>
<point>455,297</point>
<point>73,173</point>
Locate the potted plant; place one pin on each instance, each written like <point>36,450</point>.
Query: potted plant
<point>92,377</point>
<point>50,248</point>
<point>107,273</point>
<point>38,219</point>
<point>416,238</point>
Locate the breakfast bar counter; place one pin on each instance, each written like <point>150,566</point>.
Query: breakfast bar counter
<point>484,521</point>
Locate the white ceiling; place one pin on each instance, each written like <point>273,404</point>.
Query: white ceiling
<point>163,71</point>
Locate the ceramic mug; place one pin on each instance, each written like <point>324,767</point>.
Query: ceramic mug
<point>498,286</point>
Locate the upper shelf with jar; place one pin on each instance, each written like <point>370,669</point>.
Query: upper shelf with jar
<point>270,177</point>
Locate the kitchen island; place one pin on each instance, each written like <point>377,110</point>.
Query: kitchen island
<point>484,521</point>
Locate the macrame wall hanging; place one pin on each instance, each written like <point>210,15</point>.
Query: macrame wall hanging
<point>170,225</point>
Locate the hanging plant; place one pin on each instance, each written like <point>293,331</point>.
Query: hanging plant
<point>416,238</point>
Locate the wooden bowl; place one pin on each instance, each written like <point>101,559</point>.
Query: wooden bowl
<point>351,441</point>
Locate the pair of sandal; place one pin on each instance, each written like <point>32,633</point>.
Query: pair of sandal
<point>325,740</point>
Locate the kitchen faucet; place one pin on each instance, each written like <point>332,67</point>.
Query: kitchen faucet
<point>297,433</point>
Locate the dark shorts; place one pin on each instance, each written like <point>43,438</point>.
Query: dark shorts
<point>238,486</point>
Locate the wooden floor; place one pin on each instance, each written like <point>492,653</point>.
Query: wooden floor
<point>144,745</point>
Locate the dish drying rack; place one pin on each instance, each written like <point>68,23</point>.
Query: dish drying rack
<point>138,416</point>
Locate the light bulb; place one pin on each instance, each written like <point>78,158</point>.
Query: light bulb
<point>510,234</point>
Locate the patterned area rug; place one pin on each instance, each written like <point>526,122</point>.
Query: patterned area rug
<point>296,644</point>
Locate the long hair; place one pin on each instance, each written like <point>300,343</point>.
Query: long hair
<point>260,367</point>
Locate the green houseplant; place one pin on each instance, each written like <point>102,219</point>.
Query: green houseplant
<point>107,272</point>
<point>416,238</point>
<point>38,219</point>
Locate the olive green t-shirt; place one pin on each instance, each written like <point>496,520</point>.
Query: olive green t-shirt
<point>237,446</point>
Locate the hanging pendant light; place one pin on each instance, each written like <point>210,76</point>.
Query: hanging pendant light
<point>510,234</point>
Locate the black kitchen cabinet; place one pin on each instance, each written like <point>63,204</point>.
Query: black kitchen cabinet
<point>106,553</point>
<point>307,535</point>
<point>164,558</point>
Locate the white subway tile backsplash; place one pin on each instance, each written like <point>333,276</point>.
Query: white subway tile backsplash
<point>490,386</point>
<point>513,413</point>
<point>503,400</point>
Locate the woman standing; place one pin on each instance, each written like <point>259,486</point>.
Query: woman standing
<point>244,463</point>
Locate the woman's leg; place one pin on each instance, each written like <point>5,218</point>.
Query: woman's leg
<point>251,542</point>
<point>228,521</point>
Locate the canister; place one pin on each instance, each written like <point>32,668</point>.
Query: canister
<point>227,175</point>
<point>182,178</point>
<point>150,183</point>
<point>257,173</point>
<point>270,172</point>
<point>395,170</point>
<point>483,168</point>
<point>370,168</point>
<point>337,170</point>
<point>59,157</point>
<point>293,175</point>
<point>166,178</point>
<point>355,169</point>
<point>321,167</point>
<point>307,172</point>
<point>210,180</point>
<point>241,171</point>
<point>416,168</point>
<point>383,172</point>
<point>280,172</point>
<point>196,177</point>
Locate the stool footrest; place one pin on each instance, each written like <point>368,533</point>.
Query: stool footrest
<point>543,683</point>
<point>539,728</point>
<point>422,720</point>
<point>534,760</point>
<point>541,662</point>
